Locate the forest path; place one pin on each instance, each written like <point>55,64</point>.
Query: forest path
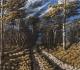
<point>63,65</point>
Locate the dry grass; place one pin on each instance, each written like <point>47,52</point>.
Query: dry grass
<point>70,56</point>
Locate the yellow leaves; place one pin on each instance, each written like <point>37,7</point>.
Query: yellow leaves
<point>69,6</point>
<point>13,14</point>
<point>15,3</point>
<point>78,22</point>
<point>10,16</point>
<point>9,4</point>
<point>12,7</point>
<point>54,11</point>
<point>60,7</point>
<point>12,3</point>
<point>4,6</point>
<point>12,10</point>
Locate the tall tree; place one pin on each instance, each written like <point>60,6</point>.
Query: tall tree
<point>10,10</point>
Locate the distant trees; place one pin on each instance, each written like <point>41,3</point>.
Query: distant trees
<point>28,30</point>
<point>75,33</point>
<point>56,16</point>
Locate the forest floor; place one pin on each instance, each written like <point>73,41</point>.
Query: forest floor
<point>70,56</point>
